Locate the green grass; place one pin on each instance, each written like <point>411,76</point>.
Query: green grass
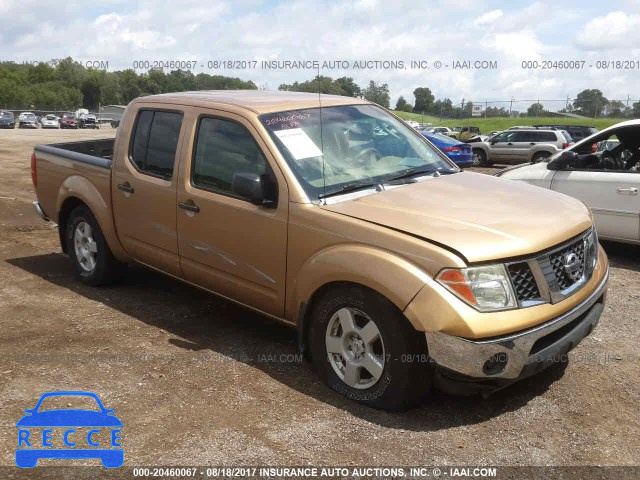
<point>487,125</point>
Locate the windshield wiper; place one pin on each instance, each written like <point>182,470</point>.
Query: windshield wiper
<point>414,172</point>
<point>350,187</point>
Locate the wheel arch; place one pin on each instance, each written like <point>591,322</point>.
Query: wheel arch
<point>76,191</point>
<point>384,273</point>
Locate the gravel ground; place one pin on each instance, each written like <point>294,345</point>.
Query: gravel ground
<point>200,381</point>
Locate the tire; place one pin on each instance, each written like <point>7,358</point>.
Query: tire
<point>401,376</point>
<point>540,157</point>
<point>90,255</point>
<point>480,158</point>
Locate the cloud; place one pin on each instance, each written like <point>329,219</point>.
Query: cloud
<point>489,17</point>
<point>615,30</point>
<point>122,31</point>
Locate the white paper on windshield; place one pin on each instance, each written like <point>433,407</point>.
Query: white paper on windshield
<point>298,143</point>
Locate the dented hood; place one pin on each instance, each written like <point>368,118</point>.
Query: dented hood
<point>482,218</point>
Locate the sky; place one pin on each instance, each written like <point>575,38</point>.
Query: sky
<point>122,32</point>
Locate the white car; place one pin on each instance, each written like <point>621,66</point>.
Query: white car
<point>50,121</point>
<point>608,181</point>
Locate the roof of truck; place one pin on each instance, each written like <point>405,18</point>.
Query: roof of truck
<point>258,101</point>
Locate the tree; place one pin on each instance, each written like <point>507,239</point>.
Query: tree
<point>615,108</point>
<point>408,108</point>
<point>536,110</point>
<point>634,112</point>
<point>377,93</point>
<point>401,103</point>
<point>424,100</point>
<point>349,87</point>
<point>590,102</point>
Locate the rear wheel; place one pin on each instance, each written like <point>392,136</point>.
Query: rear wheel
<point>90,255</point>
<point>540,157</point>
<point>364,348</point>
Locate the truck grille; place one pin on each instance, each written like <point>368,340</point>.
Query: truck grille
<point>561,271</point>
<point>524,282</point>
<point>562,277</point>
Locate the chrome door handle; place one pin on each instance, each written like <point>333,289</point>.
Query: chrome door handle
<point>628,191</point>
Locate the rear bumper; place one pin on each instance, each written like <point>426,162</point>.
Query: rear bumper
<point>509,358</point>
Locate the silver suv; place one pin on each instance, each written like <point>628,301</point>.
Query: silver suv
<point>521,145</point>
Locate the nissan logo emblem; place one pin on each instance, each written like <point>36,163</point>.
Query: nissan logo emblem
<point>572,265</point>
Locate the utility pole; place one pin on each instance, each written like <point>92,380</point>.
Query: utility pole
<point>486,105</point>
<point>511,106</point>
<point>538,108</point>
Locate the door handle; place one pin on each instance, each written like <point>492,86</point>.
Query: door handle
<point>532,143</point>
<point>189,207</point>
<point>509,144</point>
<point>125,187</point>
<point>628,191</point>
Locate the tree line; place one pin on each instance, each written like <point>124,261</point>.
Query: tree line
<point>69,84</point>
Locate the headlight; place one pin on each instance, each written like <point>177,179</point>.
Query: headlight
<point>591,252</point>
<point>485,288</point>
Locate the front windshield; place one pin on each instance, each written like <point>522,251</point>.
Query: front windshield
<point>337,147</point>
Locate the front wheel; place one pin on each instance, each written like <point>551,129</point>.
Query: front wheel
<point>90,255</point>
<point>480,158</point>
<point>364,348</point>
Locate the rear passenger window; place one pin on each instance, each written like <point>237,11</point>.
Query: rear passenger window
<point>155,142</point>
<point>547,136</point>
<point>222,149</point>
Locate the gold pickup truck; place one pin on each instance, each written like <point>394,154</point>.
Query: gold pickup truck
<point>399,271</point>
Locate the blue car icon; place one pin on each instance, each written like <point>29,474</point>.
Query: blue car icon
<point>70,420</point>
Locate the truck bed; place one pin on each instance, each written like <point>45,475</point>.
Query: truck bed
<point>83,168</point>
<point>94,152</point>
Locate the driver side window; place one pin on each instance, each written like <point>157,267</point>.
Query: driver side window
<point>224,148</point>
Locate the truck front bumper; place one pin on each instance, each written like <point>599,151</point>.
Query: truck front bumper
<point>501,360</point>
<point>40,212</point>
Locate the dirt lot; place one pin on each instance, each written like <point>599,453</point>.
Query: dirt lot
<point>199,381</point>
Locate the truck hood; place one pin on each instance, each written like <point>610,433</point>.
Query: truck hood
<point>481,218</point>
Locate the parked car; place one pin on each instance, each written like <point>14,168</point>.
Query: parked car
<point>441,130</point>
<point>27,120</point>
<point>577,132</point>
<point>88,120</point>
<point>7,120</point>
<point>50,121</point>
<point>68,120</point>
<point>459,152</point>
<point>342,222</point>
<point>465,133</point>
<point>608,182</point>
<point>521,145</point>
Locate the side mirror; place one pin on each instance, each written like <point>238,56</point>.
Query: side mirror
<point>252,187</point>
<point>563,160</point>
<point>493,141</point>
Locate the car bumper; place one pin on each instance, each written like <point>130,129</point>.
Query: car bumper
<point>39,211</point>
<point>508,358</point>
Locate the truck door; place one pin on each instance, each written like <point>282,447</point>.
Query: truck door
<point>226,243</point>
<point>144,188</point>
